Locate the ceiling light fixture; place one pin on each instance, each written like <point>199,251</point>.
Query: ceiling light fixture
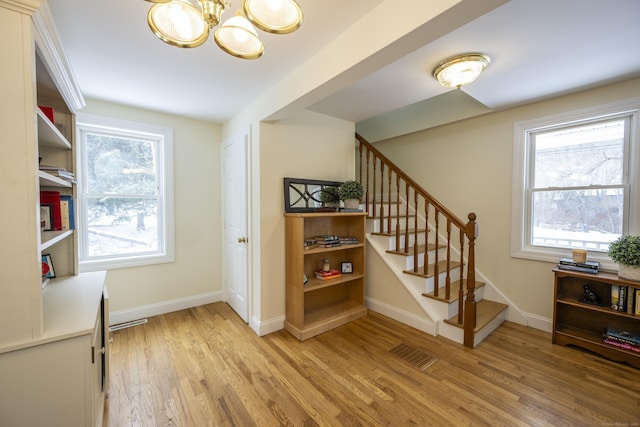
<point>180,23</point>
<point>461,70</point>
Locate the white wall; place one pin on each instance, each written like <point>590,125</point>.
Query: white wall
<point>468,166</point>
<point>194,278</point>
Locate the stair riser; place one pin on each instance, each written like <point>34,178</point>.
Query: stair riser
<point>386,209</point>
<point>432,257</point>
<point>383,224</point>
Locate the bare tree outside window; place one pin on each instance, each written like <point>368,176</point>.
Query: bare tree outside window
<point>578,184</point>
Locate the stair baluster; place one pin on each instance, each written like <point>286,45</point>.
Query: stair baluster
<point>433,209</point>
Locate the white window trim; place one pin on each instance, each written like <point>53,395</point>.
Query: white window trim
<point>520,248</point>
<point>98,123</point>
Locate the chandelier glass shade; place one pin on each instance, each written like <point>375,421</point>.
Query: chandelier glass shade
<point>461,70</point>
<point>181,23</point>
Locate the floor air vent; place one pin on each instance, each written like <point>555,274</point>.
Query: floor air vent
<point>414,356</point>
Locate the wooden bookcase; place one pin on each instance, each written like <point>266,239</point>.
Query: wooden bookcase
<point>321,305</point>
<point>582,324</point>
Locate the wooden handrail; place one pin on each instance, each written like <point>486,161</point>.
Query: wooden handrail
<point>439,224</point>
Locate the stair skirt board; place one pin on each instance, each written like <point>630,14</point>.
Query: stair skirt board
<point>436,309</point>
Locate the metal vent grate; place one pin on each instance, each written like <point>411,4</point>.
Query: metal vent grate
<point>414,356</point>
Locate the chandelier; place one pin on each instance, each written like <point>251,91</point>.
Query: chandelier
<point>183,24</point>
<point>461,70</point>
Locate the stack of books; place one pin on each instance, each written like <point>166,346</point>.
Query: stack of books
<point>328,275</point>
<point>583,267</point>
<point>348,240</point>
<point>59,172</point>
<point>327,241</point>
<point>622,339</point>
<point>310,244</point>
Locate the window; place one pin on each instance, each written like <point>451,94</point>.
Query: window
<point>125,193</point>
<point>576,182</point>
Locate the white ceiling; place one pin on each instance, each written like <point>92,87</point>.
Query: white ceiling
<point>539,49</point>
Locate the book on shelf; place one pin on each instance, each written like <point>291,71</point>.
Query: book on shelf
<point>67,213</point>
<point>326,275</point>
<point>326,238</point>
<point>310,244</point>
<point>348,240</point>
<point>622,338</point>
<point>594,265</point>
<point>59,172</point>
<point>329,244</point>
<point>621,345</point>
<point>577,268</point>
<point>620,298</point>
<point>52,198</point>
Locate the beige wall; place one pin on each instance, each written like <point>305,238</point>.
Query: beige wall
<point>468,166</point>
<point>307,145</point>
<point>197,266</point>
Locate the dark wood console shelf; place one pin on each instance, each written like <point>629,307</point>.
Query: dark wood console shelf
<point>582,324</point>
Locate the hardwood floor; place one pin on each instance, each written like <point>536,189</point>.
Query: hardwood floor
<point>205,367</point>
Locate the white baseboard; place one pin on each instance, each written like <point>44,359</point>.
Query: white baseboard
<point>420,323</point>
<point>268,326</point>
<point>121,316</point>
<point>538,322</point>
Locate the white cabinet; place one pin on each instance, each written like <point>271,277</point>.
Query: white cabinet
<point>61,379</point>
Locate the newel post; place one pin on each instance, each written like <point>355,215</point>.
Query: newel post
<point>470,302</point>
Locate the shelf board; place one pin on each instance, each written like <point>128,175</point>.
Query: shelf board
<point>315,284</point>
<point>333,249</point>
<point>50,238</point>
<point>596,308</point>
<point>48,133</point>
<point>590,339</point>
<point>48,180</point>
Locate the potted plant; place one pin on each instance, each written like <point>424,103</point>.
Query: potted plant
<point>329,196</point>
<point>351,192</point>
<point>626,252</point>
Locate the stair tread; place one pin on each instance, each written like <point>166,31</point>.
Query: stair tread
<point>421,249</point>
<point>455,289</point>
<point>392,234</point>
<point>486,311</point>
<point>442,267</point>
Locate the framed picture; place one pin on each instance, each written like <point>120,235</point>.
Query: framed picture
<point>346,267</point>
<point>637,302</point>
<point>46,218</point>
<point>47,267</point>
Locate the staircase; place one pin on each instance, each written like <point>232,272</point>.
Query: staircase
<point>428,248</point>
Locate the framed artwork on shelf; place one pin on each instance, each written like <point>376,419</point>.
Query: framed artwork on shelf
<point>47,267</point>
<point>346,267</point>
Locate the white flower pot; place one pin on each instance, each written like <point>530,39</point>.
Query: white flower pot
<point>352,204</point>
<point>629,272</point>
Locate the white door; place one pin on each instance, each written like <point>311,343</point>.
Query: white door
<point>234,199</point>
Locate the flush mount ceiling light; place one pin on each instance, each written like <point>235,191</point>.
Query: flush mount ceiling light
<point>461,70</point>
<point>183,24</point>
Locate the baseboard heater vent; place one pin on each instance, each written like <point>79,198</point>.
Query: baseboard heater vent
<point>127,324</point>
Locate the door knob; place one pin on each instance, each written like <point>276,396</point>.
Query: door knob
<point>242,240</point>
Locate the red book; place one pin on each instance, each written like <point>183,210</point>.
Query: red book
<point>323,273</point>
<point>52,198</point>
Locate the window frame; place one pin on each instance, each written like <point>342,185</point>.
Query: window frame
<point>125,128</point>
<point>522,171</point>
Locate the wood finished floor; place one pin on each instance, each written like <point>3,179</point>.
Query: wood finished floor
<point>205,367</point>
